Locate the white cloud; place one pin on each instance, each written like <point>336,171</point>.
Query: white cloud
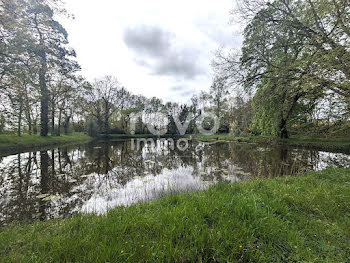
<point>196,29</point>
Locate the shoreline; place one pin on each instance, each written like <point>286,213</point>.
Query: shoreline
<point>10,144</point>
<point>289,218</point>
<point>326,144</point>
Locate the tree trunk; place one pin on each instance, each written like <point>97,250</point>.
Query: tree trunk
<point>35,127</point>
<point>52,118</point>
<point>44,181</point>
<point>44,109</point>
<point>30,128</point>
<point>66,124</point>
<point>126,125</point>
<point>27,111</point>
<point>19,128</point>
<point>44,93</point>
<point>58,133</point>
<point>106,119</point>
<point>283,129</point>
<point>106,125</point>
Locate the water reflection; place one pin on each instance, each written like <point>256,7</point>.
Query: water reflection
<point>97,176</point>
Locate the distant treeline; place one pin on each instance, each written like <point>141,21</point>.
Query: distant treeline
<point>291,76</point>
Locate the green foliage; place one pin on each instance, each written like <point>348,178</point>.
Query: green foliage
<point>92,129</point>
<point>33,47</point>
<point>117,130</point>
<point>266,109</point>
<point>294,55</point>
<point>218,96</point>
<point>172,129</point>
<point>241,112</point>
<point>323,129</point>
<point>290,219</point>
<point>225,122</point>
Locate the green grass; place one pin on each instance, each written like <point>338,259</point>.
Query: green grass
<point>331,144</point>
<point>10,143</point>
<point>325,143</point>
<point>290,219</point>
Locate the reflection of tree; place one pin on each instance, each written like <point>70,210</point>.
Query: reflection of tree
<point>267,161</point>
<point>17,187</point>
<point>63,172</point>
<point>44,181</point>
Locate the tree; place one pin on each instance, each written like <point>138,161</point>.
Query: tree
<point>286,57</point>
<point>33,41</point>
<point>218,98</point>
<point>239,116</point>
<point>50,47</point>
<point>103,100</point>
<point>172,112</point>
<point>323,27</point>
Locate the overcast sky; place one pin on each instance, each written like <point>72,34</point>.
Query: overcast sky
<point>156,48</point>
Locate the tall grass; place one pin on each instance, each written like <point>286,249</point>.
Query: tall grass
<point>290,219</point>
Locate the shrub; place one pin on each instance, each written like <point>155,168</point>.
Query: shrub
<point>116,130</point>
<point>92,129</point>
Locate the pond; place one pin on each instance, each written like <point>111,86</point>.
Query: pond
<point>98,176</point>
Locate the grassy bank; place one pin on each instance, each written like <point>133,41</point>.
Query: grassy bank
<point>291,219</point>
<point>321,143</point>
<point>329,144</point>
<point>13,143</point>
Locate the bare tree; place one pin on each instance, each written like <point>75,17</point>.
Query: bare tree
<point>104,98</point>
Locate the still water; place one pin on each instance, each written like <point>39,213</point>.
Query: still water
<point>95,177</point>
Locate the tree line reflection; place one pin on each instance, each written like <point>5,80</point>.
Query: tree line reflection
<point>58,182</point>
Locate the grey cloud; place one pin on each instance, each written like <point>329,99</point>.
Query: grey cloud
<point>222,38</point>
<point>183,91</point>
<point>158,50</point>
<point>187,93</point>
<point>177,88</point>
<point>148,40</point>
<point>142,62</point>
<point>221,35</point>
